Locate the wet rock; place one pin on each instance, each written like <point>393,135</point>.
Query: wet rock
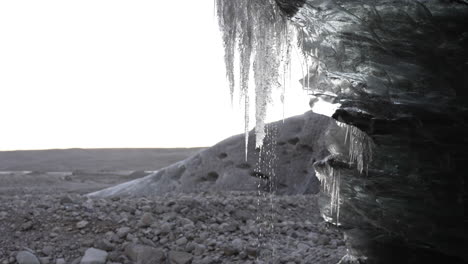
<point>60,261</point>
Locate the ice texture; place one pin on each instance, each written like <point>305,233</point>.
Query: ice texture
<point>262,37</point>
<point>360,146</point>
<point>259,34</point>
<point>330,180</point>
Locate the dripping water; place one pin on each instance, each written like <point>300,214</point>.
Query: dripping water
<point>258,32</point>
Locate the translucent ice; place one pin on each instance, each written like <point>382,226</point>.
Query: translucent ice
<point>258,33</point>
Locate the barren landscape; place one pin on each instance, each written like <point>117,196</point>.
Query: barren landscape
<point>46,217</point>
<point>80,170</point>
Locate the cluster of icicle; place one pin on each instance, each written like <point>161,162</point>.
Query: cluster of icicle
<point>360,146</point>
<point>259,34</point>
<point>331,180</point>
<point>261,37</point>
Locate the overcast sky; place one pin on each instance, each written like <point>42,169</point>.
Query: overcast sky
<point>112,73</point>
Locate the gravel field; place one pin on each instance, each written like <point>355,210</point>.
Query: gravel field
<point>232,227</point>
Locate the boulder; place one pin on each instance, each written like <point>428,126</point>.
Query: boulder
<point>179,257</point>
<point>142,254</point>
<point>94,256</point>
<point>26,257</point>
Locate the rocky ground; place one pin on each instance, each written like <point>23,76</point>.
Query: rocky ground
<point>229,227</point>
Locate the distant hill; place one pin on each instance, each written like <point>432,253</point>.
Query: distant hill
<point>92,159</point>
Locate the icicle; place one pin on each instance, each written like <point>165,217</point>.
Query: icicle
<point>330,180</point>
<point>246,128</point>
<point>259,31</point>
<point>360,147</point>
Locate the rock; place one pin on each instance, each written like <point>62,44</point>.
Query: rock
<point>48,250</point>
<point>207,260</point>
<point>66,200</point>
<point>252,251</point>
<point>178,257</point>
<point>303,247</point>
<point>82,224</point>
<point>142,254</point>
<point>45,260</point>
<point>110,236</point>
<point>104,244</point>
<point>228,227</point>
<point>60,261</point>
<point>26,257</point>
<point>199,249</point>
<point>94,256</point>
<point>323,240</point>
<point>181,241</point>
<point>87,242</point>
<point>230,251</point>
<point>146,220</point>
<point>238,244</point>
<point>186,221</point>
<point>76,261</point>
<point>234,248</point>
<point>147,242</point>
<point>242,215</point>
<point>67,178</point>
<point>27,226</point>
<point>123,232</point>
<point>3,215</point>
<point>166,228</point>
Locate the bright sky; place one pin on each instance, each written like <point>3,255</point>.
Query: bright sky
<point>113,73</point>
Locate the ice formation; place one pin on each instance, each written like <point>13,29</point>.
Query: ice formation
<point>360,146</point>
<point>347,145</point>
<point>260,34</point>
<point>331,180</point>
